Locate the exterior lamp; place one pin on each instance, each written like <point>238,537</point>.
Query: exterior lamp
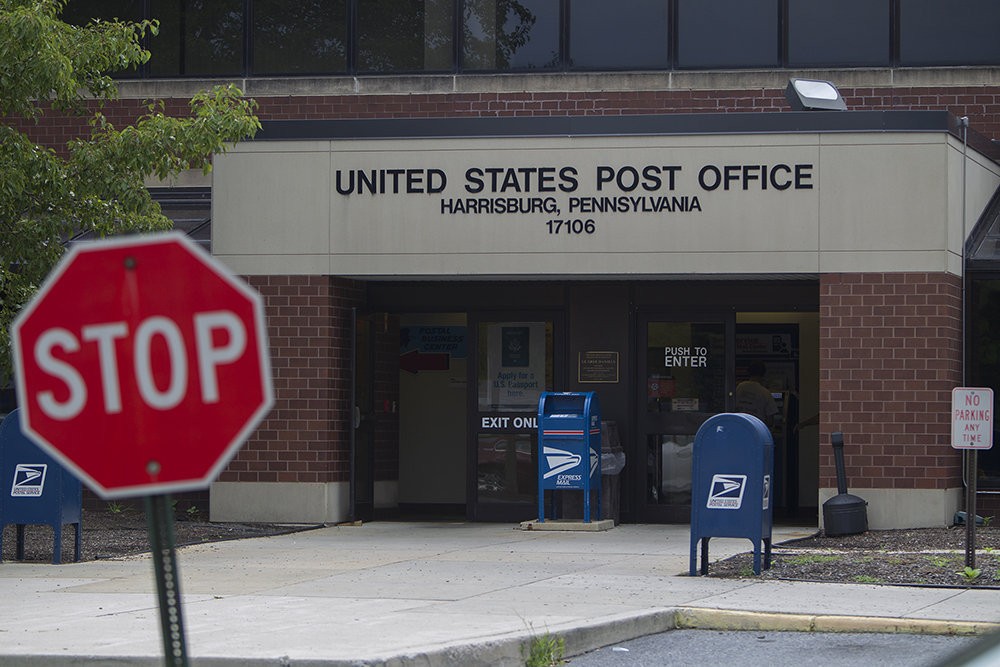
<point>814,95</point>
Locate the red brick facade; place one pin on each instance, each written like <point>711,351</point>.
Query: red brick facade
<point>890,354</point>
<point>305,437</point>
<point>890,343</point>
<point>980,104</point>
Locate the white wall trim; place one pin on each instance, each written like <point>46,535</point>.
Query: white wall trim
<point>279,502</point>
<point>903,508</point>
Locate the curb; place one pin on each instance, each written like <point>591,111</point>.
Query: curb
<point>723,619</point>
<point>510,650</point>
<point>583,638</point>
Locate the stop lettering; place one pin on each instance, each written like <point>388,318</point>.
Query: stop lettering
<point>106,338</point>
<point>142,365</point>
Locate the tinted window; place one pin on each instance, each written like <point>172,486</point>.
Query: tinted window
<point>932,32</point>
<point>405,35</point>
<point>197,37</point>
<point>984,369</point>
<point>846,32</point>
<point>80,12</point>
<point>618,35</point>
<point>510,34</point>
<point>306,36</point>
<point>727,33</point>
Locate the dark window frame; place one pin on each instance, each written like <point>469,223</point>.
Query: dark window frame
<point>892,39</point>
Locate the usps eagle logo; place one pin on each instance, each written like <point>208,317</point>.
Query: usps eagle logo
<point>559,460</point>
<point>726,492</point>
<point>29,480</point>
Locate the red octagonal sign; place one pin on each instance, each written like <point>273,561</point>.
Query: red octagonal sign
<point>142,365</point>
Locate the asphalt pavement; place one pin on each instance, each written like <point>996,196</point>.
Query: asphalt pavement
<point>428,594</point>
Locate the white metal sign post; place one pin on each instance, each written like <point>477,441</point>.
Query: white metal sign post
<point>971,430</point>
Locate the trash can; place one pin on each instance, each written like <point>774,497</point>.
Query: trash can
<point>731,474</point>
<point>569,443</point>
<point>35,489</point>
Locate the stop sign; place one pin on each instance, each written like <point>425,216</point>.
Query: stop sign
<point>142,365</point>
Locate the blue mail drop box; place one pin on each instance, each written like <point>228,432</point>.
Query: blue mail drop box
<point>569,443</point>
<point>731,474</point>
<point>35,489</point>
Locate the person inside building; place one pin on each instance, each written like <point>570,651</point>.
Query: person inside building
<point>753,398</point>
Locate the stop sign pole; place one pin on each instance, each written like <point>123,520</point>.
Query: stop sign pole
<point>142,365</point>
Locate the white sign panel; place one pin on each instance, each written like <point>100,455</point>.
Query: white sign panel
<point>971,418</point>
<point>516,370</point>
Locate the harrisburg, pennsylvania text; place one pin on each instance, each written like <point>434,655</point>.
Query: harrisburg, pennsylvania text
<point>607,189</point>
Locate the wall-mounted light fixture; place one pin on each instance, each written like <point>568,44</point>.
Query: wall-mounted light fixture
<point>814,95</point>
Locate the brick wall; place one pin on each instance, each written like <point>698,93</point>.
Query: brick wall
<point>897,334</point>
<point>305,438</point>
<point>980,103</point>
<point>890,354</point>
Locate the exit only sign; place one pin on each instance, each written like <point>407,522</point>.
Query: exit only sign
<point>971,418</point>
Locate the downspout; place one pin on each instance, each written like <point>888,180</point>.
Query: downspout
<point>353,412</point>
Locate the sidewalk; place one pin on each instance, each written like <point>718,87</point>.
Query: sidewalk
<point>434,594</point>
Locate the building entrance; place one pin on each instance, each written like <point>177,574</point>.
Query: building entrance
<point>684,379</point>
<point>692,367</point>
<point>515,362</point>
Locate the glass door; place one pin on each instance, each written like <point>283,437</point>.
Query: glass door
<point>362,498</point>
<point>684,371</point>
<point>515,363</point>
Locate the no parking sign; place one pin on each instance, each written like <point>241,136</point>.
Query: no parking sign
<point>971,418</point>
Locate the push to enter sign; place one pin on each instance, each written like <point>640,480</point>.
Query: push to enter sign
<point>971,418</point>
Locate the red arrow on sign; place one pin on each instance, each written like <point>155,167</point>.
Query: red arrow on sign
<point>414,361</point>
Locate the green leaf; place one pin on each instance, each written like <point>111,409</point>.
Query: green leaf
<point>96,186</point>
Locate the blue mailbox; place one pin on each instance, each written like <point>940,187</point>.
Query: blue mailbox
<point>731,474</point>
<point>35,489</point>
<point>569,442</point>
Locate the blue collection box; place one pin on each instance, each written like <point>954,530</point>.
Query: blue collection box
<point>35,489</point>
<point>732,471</point>
<point>569,442</point>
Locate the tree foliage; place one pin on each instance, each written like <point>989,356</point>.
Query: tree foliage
<point>96,185</point>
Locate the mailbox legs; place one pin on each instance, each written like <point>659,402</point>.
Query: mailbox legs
<point>761,551</point>
<point>19,542</point>
<point>56,542</point>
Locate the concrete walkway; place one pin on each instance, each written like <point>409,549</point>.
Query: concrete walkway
<point>434,594</point>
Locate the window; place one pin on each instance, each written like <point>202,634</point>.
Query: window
<point>221,38</point>
<point>302,37</point>
<point>984,366</point>
<point>197,38</point>
<point>80,12</point>
<point>405,35</point>
<point>630,34</point>
<point>932,32</point>
<point>846,32</point>
<point>727,33</point>
<point>510,34</point>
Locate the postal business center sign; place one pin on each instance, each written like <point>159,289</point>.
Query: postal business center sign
<point>567,199</point>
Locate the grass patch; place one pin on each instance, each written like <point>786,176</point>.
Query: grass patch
<point>865,579</point>
<point>545,651</point>
<point>942,561</point>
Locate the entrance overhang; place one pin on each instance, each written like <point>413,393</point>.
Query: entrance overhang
<point>757,194</point>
